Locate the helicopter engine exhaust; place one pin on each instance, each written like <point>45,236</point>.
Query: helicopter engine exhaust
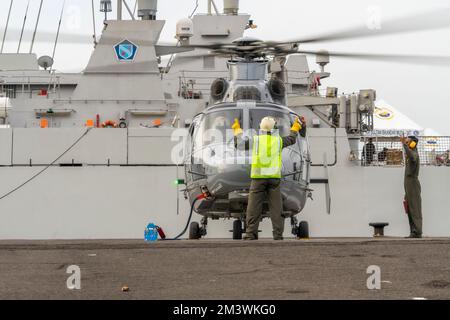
<point>218,89</point>
<point>277,90</point>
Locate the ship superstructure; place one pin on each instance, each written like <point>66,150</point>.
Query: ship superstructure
<point>100,145</point>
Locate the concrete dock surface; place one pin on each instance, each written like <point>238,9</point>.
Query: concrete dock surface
<point>225,269</point>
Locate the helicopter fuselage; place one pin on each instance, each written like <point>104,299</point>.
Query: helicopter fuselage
<point>218,164</point>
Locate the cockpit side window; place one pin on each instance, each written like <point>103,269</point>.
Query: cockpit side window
<point>191,134</point>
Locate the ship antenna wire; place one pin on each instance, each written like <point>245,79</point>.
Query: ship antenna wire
<point>47,167</point>
<point>135,7</point>
<point>59,28</point>
<point>35,28</point>
<point>23,26</point>
<point>7,24</point>
<point>195,9</point>
<point>93,23</point>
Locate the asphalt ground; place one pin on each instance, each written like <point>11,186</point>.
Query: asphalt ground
<point>224,269</point>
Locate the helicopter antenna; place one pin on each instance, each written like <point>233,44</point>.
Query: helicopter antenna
<point>7,24</point>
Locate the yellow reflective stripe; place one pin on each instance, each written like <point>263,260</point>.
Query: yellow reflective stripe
<point>279,144</point>
<point>269,164</point>
<point>256,144</point>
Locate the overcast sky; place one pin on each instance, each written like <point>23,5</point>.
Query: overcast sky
<point>418,91</point>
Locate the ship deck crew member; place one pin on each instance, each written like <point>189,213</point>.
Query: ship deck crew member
<point>266,174</point>
<point>368,152</point>
<point>412,186</point>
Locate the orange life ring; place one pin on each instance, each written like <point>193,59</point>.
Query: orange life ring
<point>109,124</point>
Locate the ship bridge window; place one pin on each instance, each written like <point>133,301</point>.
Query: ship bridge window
<point>209,62</point>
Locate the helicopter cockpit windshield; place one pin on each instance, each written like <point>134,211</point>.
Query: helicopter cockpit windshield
<point>215,127</point>
<point>214,146</point>
<point>283,121</point>
<point>213,139</point>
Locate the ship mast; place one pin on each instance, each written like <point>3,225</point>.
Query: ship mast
<point>119,10</point>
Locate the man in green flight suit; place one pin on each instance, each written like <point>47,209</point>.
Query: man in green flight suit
<point>412,186</point>
<point>266,174</point>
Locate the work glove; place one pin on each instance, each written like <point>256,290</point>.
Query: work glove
<point>303,121</point>
<point>296,127</point>
<point>237,130</point>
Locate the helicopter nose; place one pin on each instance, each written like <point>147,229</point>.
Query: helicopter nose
<point>229,179</point>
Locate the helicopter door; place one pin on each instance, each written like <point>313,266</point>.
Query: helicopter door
<point>301,167</point>
<point>293,162</point>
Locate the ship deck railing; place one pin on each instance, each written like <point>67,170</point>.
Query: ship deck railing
<point>11,85</point>
<point>388,151</point>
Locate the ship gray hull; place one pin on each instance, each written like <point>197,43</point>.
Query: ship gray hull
<point>97,201</point>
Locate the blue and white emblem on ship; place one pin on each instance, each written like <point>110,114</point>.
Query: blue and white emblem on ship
<point>126,51</point>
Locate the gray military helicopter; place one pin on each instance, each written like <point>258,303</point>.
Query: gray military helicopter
<point>218,170</point>
<point>217,167</point>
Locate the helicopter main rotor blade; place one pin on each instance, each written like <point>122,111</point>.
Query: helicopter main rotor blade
<point>397,58</point>
<point>432,20</point>
<point>47,36</point>
<point>400,58</point>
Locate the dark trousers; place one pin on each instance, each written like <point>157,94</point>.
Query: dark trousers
<point>414,199</point>
<point>260,190</point>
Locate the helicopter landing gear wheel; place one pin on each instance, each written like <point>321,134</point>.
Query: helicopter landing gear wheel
<point>237,229</point>
<point>194,231</point>
<point>303,230</point>
<point>294,226</point>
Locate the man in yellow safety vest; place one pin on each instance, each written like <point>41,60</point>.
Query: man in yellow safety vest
<point>266,174</point>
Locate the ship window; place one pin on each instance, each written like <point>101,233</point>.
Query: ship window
<point>209,62</point>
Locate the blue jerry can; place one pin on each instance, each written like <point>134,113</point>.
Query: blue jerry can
<point>151,233</point>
